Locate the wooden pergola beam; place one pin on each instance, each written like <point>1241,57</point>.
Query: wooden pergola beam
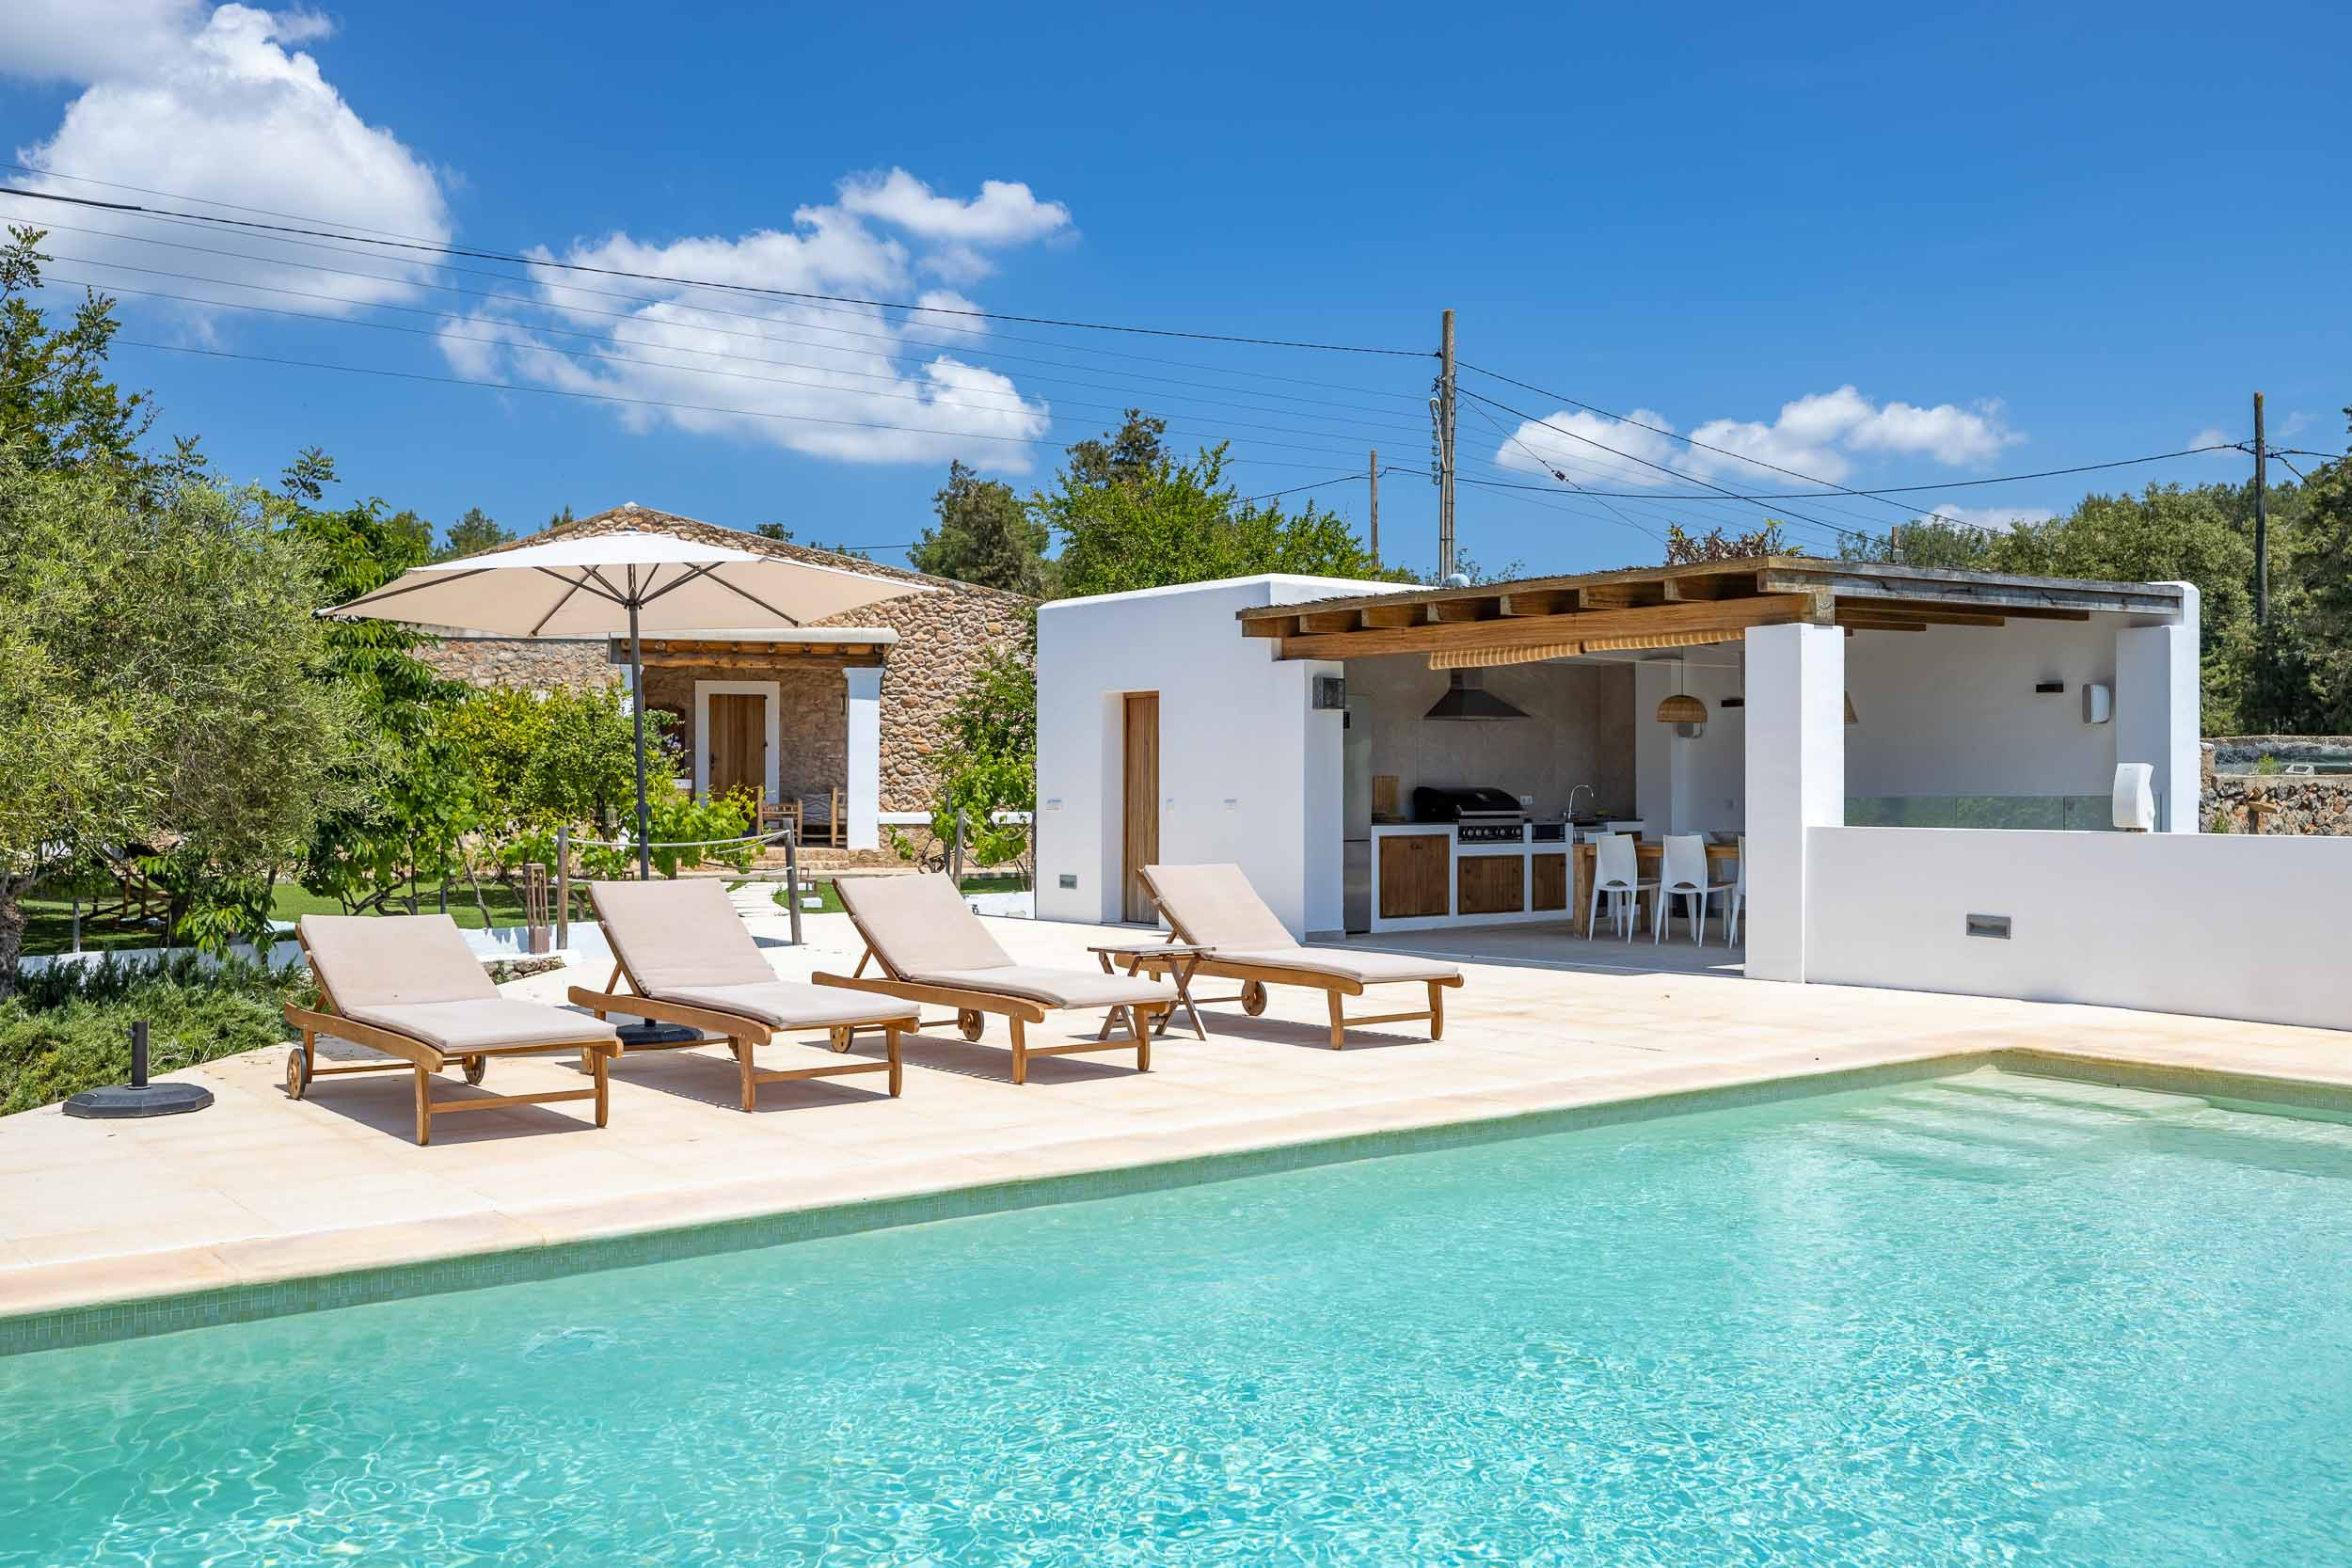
<point>1503,633</point>
<point>1861,612</point>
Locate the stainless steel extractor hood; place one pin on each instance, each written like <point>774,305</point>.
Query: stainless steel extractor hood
<point>1467,700</point>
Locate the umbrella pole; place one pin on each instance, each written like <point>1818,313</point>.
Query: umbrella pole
<point>637,713</point>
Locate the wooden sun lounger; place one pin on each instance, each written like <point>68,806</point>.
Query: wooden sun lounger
<point>925,915</point>
<point>1213,907</point>
<point>686,936</point>
<point>419,950</point>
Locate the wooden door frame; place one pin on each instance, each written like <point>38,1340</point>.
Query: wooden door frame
<point>1127,874</point>
<point>772,696</point>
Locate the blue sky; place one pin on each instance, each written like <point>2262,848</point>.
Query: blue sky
<point>1880,246</point>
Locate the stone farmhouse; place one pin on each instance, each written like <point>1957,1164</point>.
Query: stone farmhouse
<point>842,717</point>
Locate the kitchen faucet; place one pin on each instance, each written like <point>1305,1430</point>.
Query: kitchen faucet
<point>1571,811</point>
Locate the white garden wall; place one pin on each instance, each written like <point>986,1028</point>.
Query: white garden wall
<point>1248,772</point>
<point>2224,926</point>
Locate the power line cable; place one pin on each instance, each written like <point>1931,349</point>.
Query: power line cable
<point>1018,406</point>
<point>647,403</point>
<point>1661,468</point>
<point>897,342</point>
<point>1562,477</point>
<point>445,249</point>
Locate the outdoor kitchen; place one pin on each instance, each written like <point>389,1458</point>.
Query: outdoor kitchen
<point>1464,790</point>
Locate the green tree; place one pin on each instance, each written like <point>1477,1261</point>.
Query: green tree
<point>1125,528</point>
<point>1132,452</point>
<point>984,536</point>
<point>471,534</point>
<point>57,407</point>
<point>159,691</point>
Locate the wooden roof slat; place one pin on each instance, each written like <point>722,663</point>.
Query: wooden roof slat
<point>1728,615</point>
<point>1912,588</point>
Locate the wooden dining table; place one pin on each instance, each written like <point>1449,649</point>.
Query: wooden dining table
<point>1648,855</point>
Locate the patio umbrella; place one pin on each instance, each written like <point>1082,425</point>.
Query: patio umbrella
<point>625,583</point>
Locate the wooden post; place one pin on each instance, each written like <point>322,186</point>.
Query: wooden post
<point>1445,450</point>
<point>1375,507</point>
<point>792,880</point>
<point>2262,519</point>
<point>563,885</point>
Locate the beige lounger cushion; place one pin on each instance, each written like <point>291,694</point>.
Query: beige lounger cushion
<point>790,1005</point>
<point>1215,906</point>
<point>1366,968</point>
<point>677,935</point>
<point>1056,987</point>
<point>487,1024</point>
<point>388,961</point>
<point>920,925</point>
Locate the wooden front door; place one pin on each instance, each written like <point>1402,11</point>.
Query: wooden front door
<point>737,743</point>
<point>1142,835</point>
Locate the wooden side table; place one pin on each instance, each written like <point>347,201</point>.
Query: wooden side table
<point>1182,958</point>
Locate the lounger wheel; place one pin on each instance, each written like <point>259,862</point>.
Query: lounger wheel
<point>475,1067</point>
<point>298,1073</point>
<point>1252,997</point>
<point>969,1023</point>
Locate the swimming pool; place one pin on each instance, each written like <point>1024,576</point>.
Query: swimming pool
<point>1972,1321</point>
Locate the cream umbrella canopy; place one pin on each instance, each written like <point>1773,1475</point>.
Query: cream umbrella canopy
<point>626,583</point>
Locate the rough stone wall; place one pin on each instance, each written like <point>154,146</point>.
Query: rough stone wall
<point>523,663</point>
<point>945,631</point>
<point>811,726</point>
<point>2318,803</point>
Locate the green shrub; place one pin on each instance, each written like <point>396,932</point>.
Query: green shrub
<point>2268,765</point>
<point>112,980</point>
<point>50,1053</point>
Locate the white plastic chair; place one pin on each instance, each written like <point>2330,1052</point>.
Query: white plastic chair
<point>1736,899</point>
<point>1616,871</point>
<point>1686,878</point>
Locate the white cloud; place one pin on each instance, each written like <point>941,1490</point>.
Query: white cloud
<point>1590,448</point>
<point>817,376</point>
<point>2214,435</point>
<point>81,41</point>
<point>1005,212</point>
<point>219,105</point>
<point>1817,435</point>
<point>218,108</point>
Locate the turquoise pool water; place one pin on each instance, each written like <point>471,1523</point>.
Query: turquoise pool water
<point>1982,1321</point>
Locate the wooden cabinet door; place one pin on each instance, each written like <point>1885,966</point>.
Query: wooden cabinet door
<point>1413,875</point>
<point>1548,877</point>
<point>1490,884</point>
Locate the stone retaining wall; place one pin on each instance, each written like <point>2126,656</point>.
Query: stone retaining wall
<point>2315,804</point>
<point>527,664</point>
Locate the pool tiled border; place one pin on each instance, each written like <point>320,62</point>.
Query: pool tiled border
<point>88,1325</point>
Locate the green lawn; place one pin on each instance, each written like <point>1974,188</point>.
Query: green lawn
<point>49,927</point>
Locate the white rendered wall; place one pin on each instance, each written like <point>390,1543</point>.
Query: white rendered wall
<point>862,791</point>
<point>2221,925</point>
<point>1691,787</point>
<point>1796,770</point>
<point>1952,710</point>
<point>1247,772</point>
<point>2157,688</point>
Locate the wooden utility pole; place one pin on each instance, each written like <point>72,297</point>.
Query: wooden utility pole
<point>1375,472</point>
<point>2262,519</point>
<point>1442,406</point>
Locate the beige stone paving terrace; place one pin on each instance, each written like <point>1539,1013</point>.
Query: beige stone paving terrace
<point>261,1188</point>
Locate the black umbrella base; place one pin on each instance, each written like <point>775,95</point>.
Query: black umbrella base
<point>641,1037</point>
<point>122,1101</point>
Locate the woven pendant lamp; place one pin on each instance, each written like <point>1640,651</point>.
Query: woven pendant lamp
<point>1686,712</point>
